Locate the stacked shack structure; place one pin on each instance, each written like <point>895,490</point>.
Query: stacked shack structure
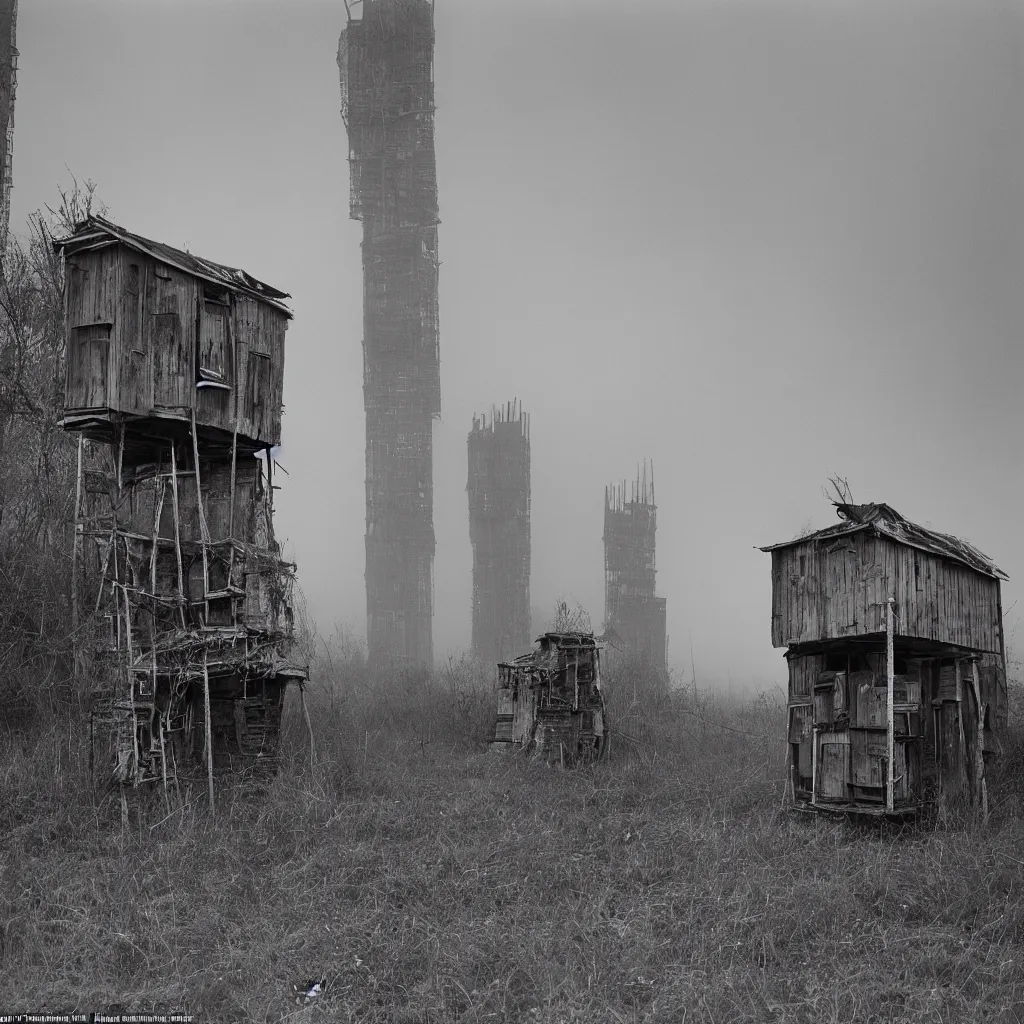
<point>499,530</point>
<point>897,664</point>
<point>175,368</point>
<point>385,59</point>
<point>550,701</point>
<point>633,615</point>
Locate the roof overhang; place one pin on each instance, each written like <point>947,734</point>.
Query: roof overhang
<point>887,523</point>
<point>97,233</point>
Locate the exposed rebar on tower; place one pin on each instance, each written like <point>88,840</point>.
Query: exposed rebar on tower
<point>499,530</point>
<point>632,613</point>
<point>8,85</point>
<point>385,59</point>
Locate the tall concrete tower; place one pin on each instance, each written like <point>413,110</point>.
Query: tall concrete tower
<point>632,612</point>
<point>385,59</point>
<point>8,83</point>
<point>499,530</point>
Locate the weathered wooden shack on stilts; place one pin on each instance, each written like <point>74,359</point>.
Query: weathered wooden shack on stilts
<point>897,664</point>
<point>175,369</point>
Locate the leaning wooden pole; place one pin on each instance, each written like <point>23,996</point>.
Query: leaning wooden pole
<point>209,732</point>
<point>177,534</point>
<point>204,533</point>
<point>981,788</point>
<point>76,556</point>
<point>889,725</point>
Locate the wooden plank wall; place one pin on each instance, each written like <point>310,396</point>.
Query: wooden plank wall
<point>92,293</point>
<point>803,673</point>
<point>838,588</point>
<point>150,362</point>
<point>134,382</point>
<point>259,351</point>
<point>169,326</point>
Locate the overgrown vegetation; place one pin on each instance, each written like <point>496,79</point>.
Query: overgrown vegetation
<point>426,879</point>
<point>37,469</point>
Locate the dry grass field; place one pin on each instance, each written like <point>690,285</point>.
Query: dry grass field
<point>428,880</point>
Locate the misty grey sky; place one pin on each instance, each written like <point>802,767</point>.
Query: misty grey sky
<point>759,243</point>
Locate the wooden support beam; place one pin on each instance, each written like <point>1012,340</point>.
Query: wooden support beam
<point>889,724</point>
<point>234,462</point>
<point>980,788</point>
<point>961,759</point>
<point>76,554</point>
<point>204,533</point>
<point>177,533</point>
<point>208,730</point>
<point>814,760</point>
<point>309,725</point>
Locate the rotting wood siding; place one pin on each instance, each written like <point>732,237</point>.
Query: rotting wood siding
<point>134,330</point>
<point>836,588</point>
<point>943,731</point>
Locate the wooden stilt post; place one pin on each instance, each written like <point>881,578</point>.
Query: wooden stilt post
<point>120,456</point>
<point>177,533</point>
<point>76,555</point>
<point>965,771</point>
<point>309,725</point>
<point>814,763</point>
<point>231,499</point>
<point>158,513</point>
<point>980,789</point>
<point>889,724</point>
<point>204,533</point>
<point>163,751</point>
<point>209,733</point>
<point>130,678</point>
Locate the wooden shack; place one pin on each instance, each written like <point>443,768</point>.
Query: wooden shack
<point>550,701</point>
<point>897,664</point>
<point>175,369</point>
<point>157,333</point>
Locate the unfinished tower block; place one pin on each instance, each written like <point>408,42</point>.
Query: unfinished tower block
<point>633,615</point>
<point>897,664</point>
<point>174,380</point>
<point>499,530</point>
<point>385,59</point>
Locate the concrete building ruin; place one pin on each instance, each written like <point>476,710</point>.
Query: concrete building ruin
<point>634,617</point>
<point>8,87</point>
<point>175,370</point>
<point>499,531</point>
<point>385,60</point>
<point>897,664</point>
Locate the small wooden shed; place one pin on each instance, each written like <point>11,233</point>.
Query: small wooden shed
<point>155,332</point>
<point>551,701</point>
<point>897,663</point>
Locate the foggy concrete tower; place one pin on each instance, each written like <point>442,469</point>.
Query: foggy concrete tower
<point>632,612</point>
<point>385,59</point>
<point>8,82</point>
<point>499,530</point>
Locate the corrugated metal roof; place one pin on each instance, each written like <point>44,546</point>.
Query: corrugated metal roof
<point>885,521</point>
<point>96,232</point>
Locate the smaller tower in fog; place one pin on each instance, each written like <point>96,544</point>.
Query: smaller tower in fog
<point>499,530</point>
<point>632,613</point>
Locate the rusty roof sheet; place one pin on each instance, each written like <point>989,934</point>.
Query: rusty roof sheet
<point>885,521</point>
<point>96,232</point>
